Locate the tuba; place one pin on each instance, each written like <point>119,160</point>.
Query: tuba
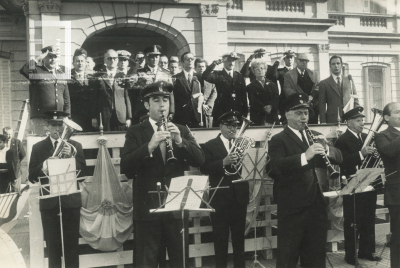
<point>369,140</point>
<point>70,128</point>
<point>239,147</point>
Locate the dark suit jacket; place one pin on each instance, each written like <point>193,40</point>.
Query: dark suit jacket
<point>290,83</point>
<point>259,97</point>
<point>136,161</point>
<point>296,184</point>
<point>330,98</point>
<point>108,91</point>
<point>388,146</point>
<point>281,80</point>
<point>185,105</point>
<point>83,100</point>
<point>210,94</point>
<point>350,147</point>
<point>227,87</point>
<point>270,74</point>
<point>215,152</point>
<point>14,157</point>
<point>46,93</point>
<point>41,151</point>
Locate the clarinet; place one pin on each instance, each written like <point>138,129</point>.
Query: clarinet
<point>333,173</point>
<point>171,158</point>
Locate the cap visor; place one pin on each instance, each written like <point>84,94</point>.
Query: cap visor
<point>157,94</point>
<point>298,106</point>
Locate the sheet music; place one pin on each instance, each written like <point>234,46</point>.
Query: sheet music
<point>62,184</point>
<point>177,184</point>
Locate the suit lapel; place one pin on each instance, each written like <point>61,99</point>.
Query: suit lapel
<point>295,138</point>
<point>149,131</point>
<point>294,75</point>
<point>333,85</point>
<point>227,76</point>
<point>107,81</point>
<point>220,145</point>
<point>311,75</point>
<point>393,131</point>
<point>185,82</point>
<point>354,138</point>
<point>49,146</point>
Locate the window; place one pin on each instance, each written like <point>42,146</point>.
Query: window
<point>5,93</point>
<point>336,5</point>
<point>375,6</point>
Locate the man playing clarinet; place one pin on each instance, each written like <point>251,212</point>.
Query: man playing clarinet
<point>302,216</point>
<point>144,159</point>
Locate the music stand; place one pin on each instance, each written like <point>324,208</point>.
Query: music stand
<point>181,196</point>
<point>62,175</point>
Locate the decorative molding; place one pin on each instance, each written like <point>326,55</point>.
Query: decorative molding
<point>209,10</point>
<point>234,4</point>
<point>323,47</point>
<point>49,6</point>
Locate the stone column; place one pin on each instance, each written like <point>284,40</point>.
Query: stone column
<point>323,59</point>
<point>209,31</point>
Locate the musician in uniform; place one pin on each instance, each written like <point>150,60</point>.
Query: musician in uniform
<point>335,92</point>
<point>302,216</point>
<point>70,204</point>
<point>47,89</point>
<point>230,85</point>
<point>350,145</point>
<point>144,160</point>
<point>303,80</point>
<point>230,203</point>
<point>123,61</point>
<point>388,146</point>
<point>263,96</point>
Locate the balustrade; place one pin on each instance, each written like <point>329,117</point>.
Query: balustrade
<point>285,6</point>
<point>339,19</point>
<point>373,22</point>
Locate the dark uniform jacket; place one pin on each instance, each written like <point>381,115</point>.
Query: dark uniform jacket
<point>137,161</point>
<point>46,91</point>
<point>296,184</point>
<point>41,151</point>
<point>270,74</point>
<point>110,95</point>
<point>14,157</point>
<point>350,146</point>
<point>215,152</point>
<point>231,91</point>
<point>185,105</point>
<point>83,102</point>
<point>331,97</point>
<point>388,146</point>
<point>261,96</point>
<point>281,80</point>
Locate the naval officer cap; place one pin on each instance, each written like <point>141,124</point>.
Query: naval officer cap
<point>296,101</point>
<point>50,50</point>
<point>153,50</point>
<point>303,56</point>
<point>289,53</point>
<point>353,113</point>
<point>55,116</point>
<point>123,54</point>
<point>159,88</point>
<point>231,56</point>
<point>231,117</point>
<point>260,51</point>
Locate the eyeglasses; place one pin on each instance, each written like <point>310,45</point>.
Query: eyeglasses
<point>164,62</point>
<point>112,58</point>
<point>231,126</point>
<point>189,59</point>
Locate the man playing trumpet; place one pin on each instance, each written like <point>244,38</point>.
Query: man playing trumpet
<point>70,204</point>
<point>302,216</point>
<point>144,159</point>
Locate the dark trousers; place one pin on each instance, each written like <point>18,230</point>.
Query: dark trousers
<point>230,217</point>
<point>302,233</point>
<point>4,179</point>
<point>152,238</point>
<point>365,221</point>
<point>52,235</point>
<point>394,212</point>
<point>113,124</point>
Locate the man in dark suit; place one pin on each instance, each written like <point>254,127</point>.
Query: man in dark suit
<point>303,80</point>
<point>14,156</point>
<point>230,85</point>
<point>350,144</point>
<point>388,145</point>
<point>82,95</point>
<point>48,89</point>
<point>230,203</point>
<point>187,93</point>
<point>263,96</point>
<point>112,99</point>
<point>270,71</point>
<point>152,72</point>
<point>70,204</point>
<point>335,93</point>
<point>289,65</point>
<point>209,92</point>
<point>144,160</point>
<point>302,216</point>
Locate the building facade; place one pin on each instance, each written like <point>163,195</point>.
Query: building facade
<point>364,32</point>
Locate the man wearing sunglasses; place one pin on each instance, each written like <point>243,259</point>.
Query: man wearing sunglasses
<point>230,202</point>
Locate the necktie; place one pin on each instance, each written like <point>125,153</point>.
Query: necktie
<point>339,84</point>
<point>230,144</point>
<point>359,137</point>
<point>110,76</point>
<point>55,145</point>
<point>304,139</point>
<point>231,74</point>
<point>163,144</point>
<point>189,79</point>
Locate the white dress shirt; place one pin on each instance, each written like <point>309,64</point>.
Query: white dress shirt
<point>335,77</point>
<point>229,72</point>
<point>225,141</point>
<point>298,134</point>
<point>289,67</point>
<point>187,75</point>
<point>3,154</point>
<point>301,72</point>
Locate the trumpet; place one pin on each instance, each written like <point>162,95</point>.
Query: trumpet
<point>333,173</point>
<point>171,158</point>
<point>69,130</point>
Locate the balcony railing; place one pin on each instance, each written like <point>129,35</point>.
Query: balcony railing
<point>373,22</point>
<point>339,19</point>
<point>285,6</point>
